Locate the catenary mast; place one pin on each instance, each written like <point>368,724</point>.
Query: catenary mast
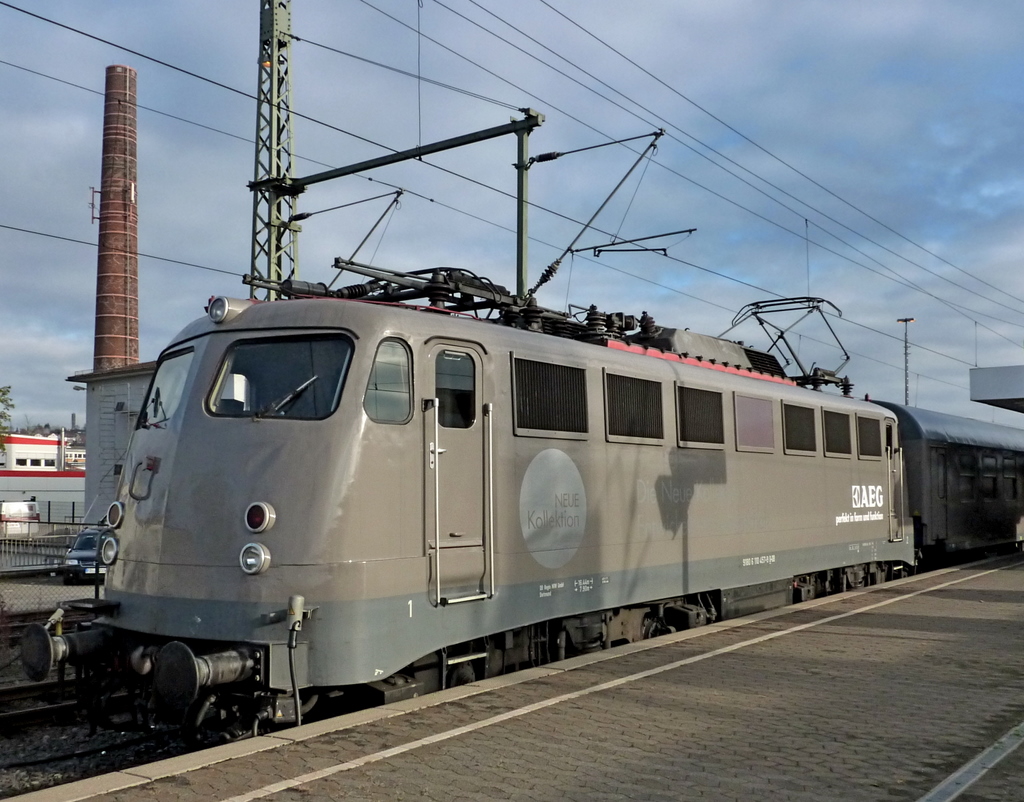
<point>274,237</point>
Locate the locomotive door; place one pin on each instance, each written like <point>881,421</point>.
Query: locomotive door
<point>457,439</point>
<point>896,496</point>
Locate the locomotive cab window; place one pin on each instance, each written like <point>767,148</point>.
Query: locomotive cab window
<point>165,391</point>
<point>388,396</point>
<point>798,432</point>
<point>455,383</point>
<point>282,377</point>
<point>699,418</point>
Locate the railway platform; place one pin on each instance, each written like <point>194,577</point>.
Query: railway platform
<point>913,690</point>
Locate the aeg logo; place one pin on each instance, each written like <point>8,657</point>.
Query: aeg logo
<point>867,496</point>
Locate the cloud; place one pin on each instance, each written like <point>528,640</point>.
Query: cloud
<point>881,125</point>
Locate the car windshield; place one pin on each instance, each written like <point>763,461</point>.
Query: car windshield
<point>85,541</point>
<point>282,377</point>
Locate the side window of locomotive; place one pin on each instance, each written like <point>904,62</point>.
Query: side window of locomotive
<point>455,384</point>
<point>837,433</point>
<point>388,396</point>
<point>282,377</point>
<point>798,431</point>
<point>633,409</point>
<point>869,438</point>
<point>550,399</point>
<point>166,390</point>
<point>699,418</point>
<point>755,424</point>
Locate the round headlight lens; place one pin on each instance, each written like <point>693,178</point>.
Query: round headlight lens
<point>254,558</point>
<point>218,309</point>
<point>109,549</point>
<point>115,514</point>
<point>259,516</point>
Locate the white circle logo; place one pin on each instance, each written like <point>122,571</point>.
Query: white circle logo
<point>553,508</point>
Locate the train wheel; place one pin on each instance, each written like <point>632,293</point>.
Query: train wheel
<point>462,674</point>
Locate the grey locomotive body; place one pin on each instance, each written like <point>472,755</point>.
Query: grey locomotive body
<point>963,481</point>
<point>452,498</point>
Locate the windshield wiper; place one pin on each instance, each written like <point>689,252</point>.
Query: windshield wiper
<point>279,405</point>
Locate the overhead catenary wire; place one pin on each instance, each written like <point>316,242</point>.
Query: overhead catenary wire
<point>328,125</point>
<point>731,278</point>
<point>718,153</point>
<point>769,153</point>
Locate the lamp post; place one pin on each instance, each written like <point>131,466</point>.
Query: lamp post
<point>906,321</point>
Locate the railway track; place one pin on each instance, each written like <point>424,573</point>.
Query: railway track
<point>14,715</point>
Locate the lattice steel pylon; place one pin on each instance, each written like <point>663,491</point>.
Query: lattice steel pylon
<point>274,237</point>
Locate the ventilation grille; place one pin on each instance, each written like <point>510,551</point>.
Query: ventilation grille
<point>869,437</point>
<point>837,433</point>
<point>700,416</point>
<point>798,428</point>
<point>634,407</point>
<point>550,397</point>
<point>764,362</point>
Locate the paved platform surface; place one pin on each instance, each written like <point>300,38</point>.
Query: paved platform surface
<point>876,695</point>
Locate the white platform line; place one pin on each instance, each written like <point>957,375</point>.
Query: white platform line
<point>968,774</point>
<point>313,776</point>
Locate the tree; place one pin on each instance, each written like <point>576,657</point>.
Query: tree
<point>6,405</point>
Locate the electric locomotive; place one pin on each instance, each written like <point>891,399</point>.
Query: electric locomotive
<point>347,491</point>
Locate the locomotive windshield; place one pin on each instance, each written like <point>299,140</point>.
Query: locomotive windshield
<point>284,377</point>
<point>166,390</point>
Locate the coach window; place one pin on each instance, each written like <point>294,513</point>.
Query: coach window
<point>699,417</point>
<point>1010,477</point>
<point>388,396</point>
<point>455,383</point>
<point>755,424</point>
<point>968,469</point>
<point>869,438</point>
<point>989,477</point>
<point>798,435</point>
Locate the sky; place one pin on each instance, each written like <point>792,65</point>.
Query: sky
<point>865,153</point>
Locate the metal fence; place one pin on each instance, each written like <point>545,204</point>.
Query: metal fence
<point>32,555</point>
<point>35,552</point>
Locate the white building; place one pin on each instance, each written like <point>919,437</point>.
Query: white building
<point>113,401</point>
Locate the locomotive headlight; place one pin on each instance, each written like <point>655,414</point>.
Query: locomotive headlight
<point>222,309</point>
<point>259,517</point>
<point>109,549</point>
<point>254,558</point>
<point>115,515</point>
